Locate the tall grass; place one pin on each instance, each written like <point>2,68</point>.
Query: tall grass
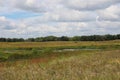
<point>102,65</point>
<point>39,61</point>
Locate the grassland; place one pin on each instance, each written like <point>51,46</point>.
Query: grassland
<point>55,44</point>
<point>44,61</point>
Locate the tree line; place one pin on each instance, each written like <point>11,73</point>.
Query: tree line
<point>64,38</point>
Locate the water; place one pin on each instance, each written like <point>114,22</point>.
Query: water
<point>63,50</point>
<point>60,50</point>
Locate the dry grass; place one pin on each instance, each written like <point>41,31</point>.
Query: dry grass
<point>54,44</point>
<point>103,64</point>
<point>96,65</point>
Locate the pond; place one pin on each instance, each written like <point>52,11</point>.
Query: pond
<point>39,50</point>
<point>62,50</point>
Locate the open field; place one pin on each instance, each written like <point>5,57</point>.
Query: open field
<point>60,60</point>
<point>55,44</point>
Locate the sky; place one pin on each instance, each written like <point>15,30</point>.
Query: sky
<point>36,18</point>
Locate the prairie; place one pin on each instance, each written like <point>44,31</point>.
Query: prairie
<point>56,44</point>
<point>51,61</point>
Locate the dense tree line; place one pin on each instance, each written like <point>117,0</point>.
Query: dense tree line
<point>64,38</point>
<point>12,40</point>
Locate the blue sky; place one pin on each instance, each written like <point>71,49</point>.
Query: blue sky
<point>20,15</point>
<point>33,18</point>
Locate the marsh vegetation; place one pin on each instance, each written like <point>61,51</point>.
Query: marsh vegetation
<point>60,60</point>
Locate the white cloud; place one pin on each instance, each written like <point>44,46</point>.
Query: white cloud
<point>6,23</point>
<point>67,15</point>
<point>2,2</point>
<point>89,4</point>
<point>109,24</point>
<point>10,25</point>
<point>111,13</point>
<point>60,17</point>
<point>35,5</point>
<point>64,15</point>
<point>2,19</point>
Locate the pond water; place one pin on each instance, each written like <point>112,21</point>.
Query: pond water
<point>73,50</point>
<point>58,50</point>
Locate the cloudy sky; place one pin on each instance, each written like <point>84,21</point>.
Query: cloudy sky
<point>33,18</point>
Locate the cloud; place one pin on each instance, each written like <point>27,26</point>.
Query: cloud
<point>64,15</point>
<point>59,17</point>
<point>11,25</point>
<point>111,13</point>
<point>6,24</point>
<point>1,2</point>
<point>67,15</point>
<point>47,5</point>
<point>2,18</point>
<point>89,4</point>
<point>35,5</point>
<point>29,29</point>
<point>109,25</point>
<point>48,28</point>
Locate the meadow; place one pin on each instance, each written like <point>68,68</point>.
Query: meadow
<point>60,60</point>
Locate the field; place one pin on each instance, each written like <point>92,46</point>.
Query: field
<point>60,60</point>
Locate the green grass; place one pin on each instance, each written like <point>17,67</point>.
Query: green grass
<point>9,54</point>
